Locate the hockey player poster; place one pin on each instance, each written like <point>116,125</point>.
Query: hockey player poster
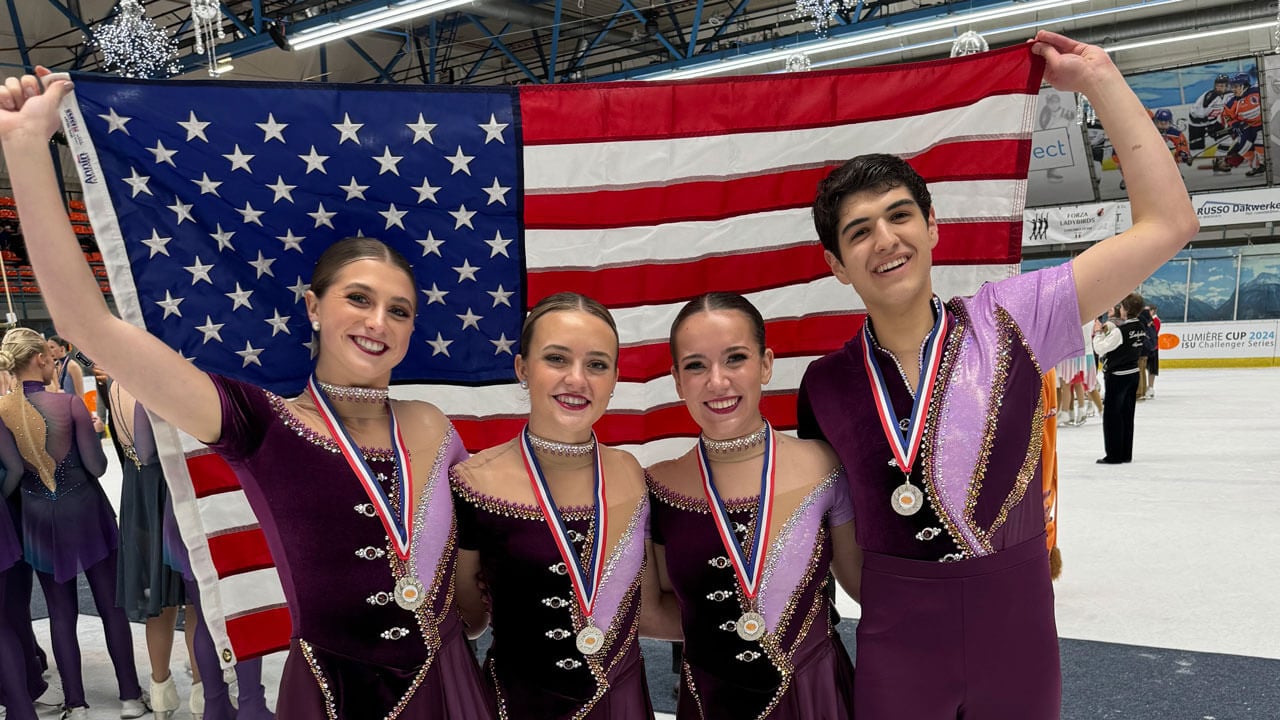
<point>1211,117</point>
<point>1059,173</point>
<point>1271,75</point>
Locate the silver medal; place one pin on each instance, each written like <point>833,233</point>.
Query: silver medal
<point>409,593</point>
<point>590,640</point>
<point>751,626</point>
<point>907,499</point>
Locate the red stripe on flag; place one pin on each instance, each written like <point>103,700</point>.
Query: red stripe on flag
<point>785,190</point>
<point>788,337</point>
<point>635,111</point>
<point>239,551</point>
<point>979,243</point>
<point>1004,159</point>
<point>259,633</point>
<point>210,475</point>
<point>629,286</point>
<point>624,428</point>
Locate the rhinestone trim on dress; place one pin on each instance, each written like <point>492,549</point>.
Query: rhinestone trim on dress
<point>721,447</point>
<point>553,447</point>
<point>355,394</point>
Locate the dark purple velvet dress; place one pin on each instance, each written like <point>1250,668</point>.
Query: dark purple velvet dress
<point>799,669</point>
<point>355,654</point>
<point>957,606</point>
<point>533,665</point>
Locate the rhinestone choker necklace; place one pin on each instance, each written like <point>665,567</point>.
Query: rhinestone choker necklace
<point>724,447</point>
<point>354,394</point>
<point>553,447</point>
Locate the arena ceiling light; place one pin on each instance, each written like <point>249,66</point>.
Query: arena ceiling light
<point>371,20</point>
<point>1022,27</point>
<point>848,40</point>
<point>1191,36</point>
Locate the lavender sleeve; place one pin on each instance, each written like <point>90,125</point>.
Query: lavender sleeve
<point>1044,306</point>
<point>92,457</point>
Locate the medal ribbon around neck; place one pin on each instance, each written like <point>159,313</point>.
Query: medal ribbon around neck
<point>586,581</point>
<point>747,566</point>
<point>907,447</point>
<point>397,527</point>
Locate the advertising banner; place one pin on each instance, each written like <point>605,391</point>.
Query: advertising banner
<point>1207,344</point>
<point>1232,208</point>
<point>1059,159</point>
<point>1211,119</point>
<point>1073,224</point>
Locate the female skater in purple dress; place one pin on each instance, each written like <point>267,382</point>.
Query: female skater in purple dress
<point>16,686</point>
<point>552,531</point>
<point>350,488</point>
<point>746,527</point>
<point>68,526</point>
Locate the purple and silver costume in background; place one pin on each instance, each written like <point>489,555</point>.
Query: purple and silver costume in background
<point>69,530</point>
<point>957,602</point>
<point>799,668</point>
<point>354,653</point>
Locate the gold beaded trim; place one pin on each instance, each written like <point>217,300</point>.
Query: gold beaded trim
<point>932,430</point>
<point>1011,331</point>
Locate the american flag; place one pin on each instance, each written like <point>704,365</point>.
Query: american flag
<point>211,201</point>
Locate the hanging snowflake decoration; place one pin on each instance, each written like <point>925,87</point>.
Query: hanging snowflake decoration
<point>820,13</point>
<point>969,43</point>
<point>206,16</point>
<point>798,62</point>
<point>133,46</point>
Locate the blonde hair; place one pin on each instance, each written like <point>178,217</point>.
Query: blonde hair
<point>19,347</point>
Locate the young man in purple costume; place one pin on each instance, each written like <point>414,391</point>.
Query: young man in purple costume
<point>957,607</point>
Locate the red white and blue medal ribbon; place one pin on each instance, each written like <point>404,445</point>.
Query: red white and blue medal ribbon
<point>409,592</point>
<point>747,566</point>
<point>586,581</point>
<point>906,442</point>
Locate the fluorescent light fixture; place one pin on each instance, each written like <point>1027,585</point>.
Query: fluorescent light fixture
<point>1191,36</point>
<point>855,39</point>
<point>371,20</point>
<point>1022,27</point>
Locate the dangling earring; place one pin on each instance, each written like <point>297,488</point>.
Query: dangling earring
<point>315,325</point>
<point>524,384</point>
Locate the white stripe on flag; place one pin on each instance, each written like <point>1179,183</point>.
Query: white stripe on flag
<point>596,248</point>
<point>251,591</point>
<point>226,511</point>
<point>642,163</point>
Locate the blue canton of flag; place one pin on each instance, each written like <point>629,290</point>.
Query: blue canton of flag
<point>226,194</point>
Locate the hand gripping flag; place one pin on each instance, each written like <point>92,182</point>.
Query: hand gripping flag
<point>212,200</point>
